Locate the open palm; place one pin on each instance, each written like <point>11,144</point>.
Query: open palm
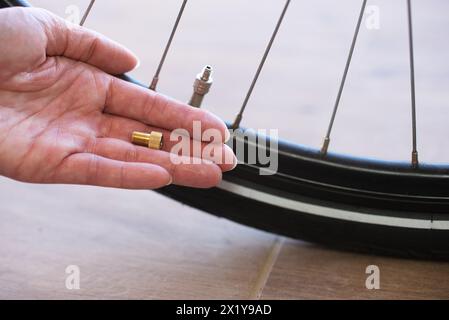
<point>65,119</point>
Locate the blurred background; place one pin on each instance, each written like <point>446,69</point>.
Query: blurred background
<point>138,244</point>
<point>299,83</point>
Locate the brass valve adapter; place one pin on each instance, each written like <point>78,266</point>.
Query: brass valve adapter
<point>153,140</point>
<point>201,87</point>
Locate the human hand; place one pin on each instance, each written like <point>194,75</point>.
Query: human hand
<point>65,119</point>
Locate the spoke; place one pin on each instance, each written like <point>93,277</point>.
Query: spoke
<point>326,142</point>
<point>239,116</point>
<point>167,47</point>
<point>415,162</point>
<point>86,14</point>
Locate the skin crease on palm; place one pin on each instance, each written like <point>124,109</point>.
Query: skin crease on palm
<point>65,119</point>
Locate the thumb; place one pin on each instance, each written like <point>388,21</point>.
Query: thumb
<point>81,44</point>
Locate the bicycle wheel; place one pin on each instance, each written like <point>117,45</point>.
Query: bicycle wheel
<point>393,208</point>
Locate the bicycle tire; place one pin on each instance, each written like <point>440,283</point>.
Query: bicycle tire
<point>348,203</point>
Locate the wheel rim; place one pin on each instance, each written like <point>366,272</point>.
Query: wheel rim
<point>399,194</point>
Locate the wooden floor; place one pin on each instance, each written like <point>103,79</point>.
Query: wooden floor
<point>139,245</point>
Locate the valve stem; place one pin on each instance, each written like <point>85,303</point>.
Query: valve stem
<point>201,86</point>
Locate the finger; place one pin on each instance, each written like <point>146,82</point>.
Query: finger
<point>131,101</point>
<point>81,44</point>
<point>91,169</point>
<point>183,170</point>
<point>220,154</point>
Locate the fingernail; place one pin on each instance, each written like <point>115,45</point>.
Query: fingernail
<point>235,164</point>
<point>227,135</point>
<point>170,181</point>
<point>230,160</point>
<point>137,65</point>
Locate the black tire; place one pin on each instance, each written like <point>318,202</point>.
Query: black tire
<point>348,203</point>
<point>13,3</point>
<point>345,203</point>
